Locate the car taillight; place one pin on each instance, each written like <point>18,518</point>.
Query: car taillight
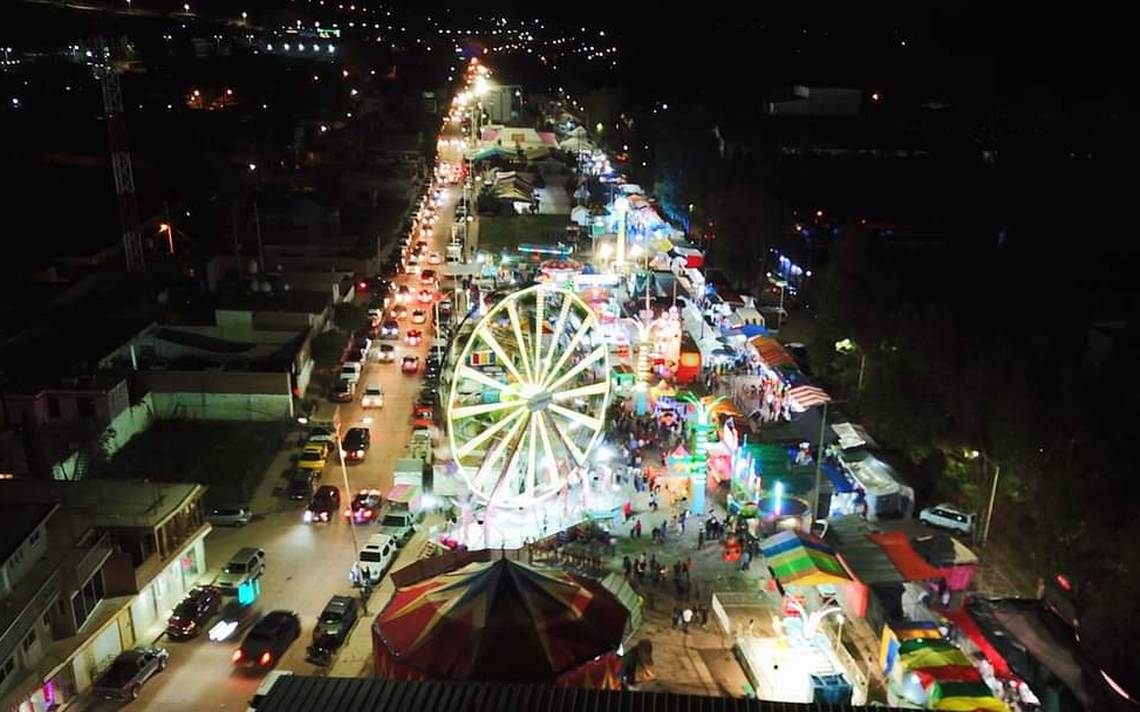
<point>236,657</point>
<point>265,659</point>
<point>347,513</point>
<point>368,514</point>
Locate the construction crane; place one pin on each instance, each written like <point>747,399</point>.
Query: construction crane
<point>107,72</point>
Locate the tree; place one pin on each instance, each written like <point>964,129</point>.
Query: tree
<point>327,347</point>
<point>350,318</point>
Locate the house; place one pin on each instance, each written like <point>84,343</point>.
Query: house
<point>90,569</point>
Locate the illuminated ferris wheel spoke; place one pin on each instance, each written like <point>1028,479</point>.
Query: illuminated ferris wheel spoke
<point>567,442</point>
<point>539,322</point>
<point>574,416</point>
<point>473,444</point>
<point>497,452</point>
<point>489,339</point>
<point>570,348</point>
<point>516,326</point>
<point>582,365</point>
<point>555,337</point>
<point>594,389</point>
<point>467,411</point>
<point>532,442</point>
<point>479,377</point>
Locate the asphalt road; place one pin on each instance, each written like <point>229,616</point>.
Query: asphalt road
<point>306,564</point>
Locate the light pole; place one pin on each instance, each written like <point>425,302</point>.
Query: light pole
<point>819,464</point>
<point>847,346</point>
<point>347,490</point>
<point>974,455</point>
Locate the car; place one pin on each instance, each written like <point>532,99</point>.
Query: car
<point>365,507</point>
<point>234,617</point>
<point>229,516</point>
<point>373,396</point>
<point>423,416</point>
<point>300,485</point>
<point>356,443</point>
<point>321,433</point>
<point>343,392</point>
<point>419,316</point>
<point>130,671</point>
<point>333,626</point>
<point>265,687</point>
<point>268,639</point>
<point>386,353</point>
<point>947,516</point>
<point>410,364</point>
<point>428,395</point>
<point>323,505</point>
<point>425,296</point>
<point>361,343</point>
<point>398,524</point>
<point>351,370</point>
<point>375,312</point>
<point>390,329</point>
<point>427,277</point>
<point>403,294</point>
<point>192,612</point>
<point>434,258</point>
<point>398,312</point>
<point>421,246</point>
<point>373,560</point>
<point>244,566</point>
<point>313,457</point>
<point>413,337</point>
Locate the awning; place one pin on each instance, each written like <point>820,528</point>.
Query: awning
<point>771,352</point>
<point>865,560</point>
<point>798,559</point>
<point>809,396</point>
<point>840,482</point>
<point>910,564</point>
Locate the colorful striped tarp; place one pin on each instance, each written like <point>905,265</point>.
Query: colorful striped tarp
<point>802,560</point>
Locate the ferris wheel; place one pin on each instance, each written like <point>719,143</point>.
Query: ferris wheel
<point>528,396</point>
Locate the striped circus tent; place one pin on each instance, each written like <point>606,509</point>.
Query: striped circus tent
<point>772,352</point>
<point>502,621</point>
<point>808,396</point>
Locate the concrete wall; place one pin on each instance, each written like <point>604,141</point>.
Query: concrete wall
<point>132,421</point>
<point>220,395</point>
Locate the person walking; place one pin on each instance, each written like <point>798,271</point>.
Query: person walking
<point>627,566</point>
<point>686,618</point>
<point>701,538</point>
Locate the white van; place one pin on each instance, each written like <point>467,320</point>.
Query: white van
<point>373,560</point>
<point>947,516</point>
<point>266,685</point>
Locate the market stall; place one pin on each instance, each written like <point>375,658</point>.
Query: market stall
<point>923,669</point>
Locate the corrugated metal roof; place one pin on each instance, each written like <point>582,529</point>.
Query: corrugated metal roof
<point>848,534</point>
<point>296,693</point>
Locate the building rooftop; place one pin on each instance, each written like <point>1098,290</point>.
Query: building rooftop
<point>20,520</point>
<point>110,503</point>
<point>301,301</point>
<point>298,693</point>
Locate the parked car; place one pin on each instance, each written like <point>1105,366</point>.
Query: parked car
<point>130,671</point>
<point>234,617</point>
<point>324,505</point>
<point>333,626</point>
<point>373,560</point>
<point>410,364</point>
<point>386,353</point>
<point>192,612</point>
<point>229,516</point>
<point>947,516</point>
<point>313,457</point>
<point>400,525</point>
<point>265,687</point>
<point>343,392</point>
<point>365,507</point>
<point>268,640</point>
<point>356,443</point>
<point>351,370</point>
<point>322,433</point>
<point>301,482</point>
<point>244,566</point>
<point>373,396</point>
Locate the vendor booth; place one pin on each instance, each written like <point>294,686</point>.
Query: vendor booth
<point>926,671</point>
<point>882,488</point>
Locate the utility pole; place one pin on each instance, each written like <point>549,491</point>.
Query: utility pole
<point>993,498</point>
<point>257,229</point>
<point>819,464</point>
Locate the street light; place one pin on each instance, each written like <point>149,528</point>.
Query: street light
<point>974,455</point>
<point>847,346</point>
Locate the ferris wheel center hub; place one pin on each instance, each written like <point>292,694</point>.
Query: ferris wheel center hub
<point>539,401</point>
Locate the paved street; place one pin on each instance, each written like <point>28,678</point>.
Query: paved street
<point>306,564</point>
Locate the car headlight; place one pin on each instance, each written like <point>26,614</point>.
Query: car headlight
<point>308,516</point>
